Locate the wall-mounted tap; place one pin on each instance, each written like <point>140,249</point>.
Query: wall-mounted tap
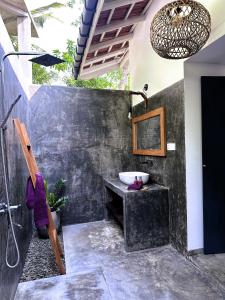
<point>4,209</point>
<point>143,94</point>
<point>18,225</point>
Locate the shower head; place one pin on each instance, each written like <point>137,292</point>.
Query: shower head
<point>47,60</point>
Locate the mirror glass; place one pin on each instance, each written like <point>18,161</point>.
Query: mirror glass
<point>148,133</point>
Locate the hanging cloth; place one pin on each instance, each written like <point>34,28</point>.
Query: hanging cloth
<point>36,199</point>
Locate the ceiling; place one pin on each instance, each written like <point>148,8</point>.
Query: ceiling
<point>10,10</point>
<point>108,42</point>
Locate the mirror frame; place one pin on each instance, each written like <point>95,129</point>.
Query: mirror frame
<point>153,152</point>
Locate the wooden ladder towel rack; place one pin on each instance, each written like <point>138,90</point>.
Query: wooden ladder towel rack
<point>33,169</point>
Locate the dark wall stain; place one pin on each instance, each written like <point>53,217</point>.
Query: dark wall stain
<point>83,136</point>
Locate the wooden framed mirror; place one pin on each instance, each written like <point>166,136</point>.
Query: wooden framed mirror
<point>149,133</point>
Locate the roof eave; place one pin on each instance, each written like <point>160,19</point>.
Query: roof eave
<point>85,31</point>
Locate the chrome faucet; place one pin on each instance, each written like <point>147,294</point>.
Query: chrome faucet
<point>4,209</point>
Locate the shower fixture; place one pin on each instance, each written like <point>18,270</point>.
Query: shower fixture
<point>44,59</point>
<point>47,60</point>
<point>143,95</point>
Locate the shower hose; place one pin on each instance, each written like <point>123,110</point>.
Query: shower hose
<point>10,221</point>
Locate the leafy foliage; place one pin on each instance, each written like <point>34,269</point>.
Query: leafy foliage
<point>43,9</point>
<point>111,80</point>
<point>41,75</point>
<point>42,14</point>
<point>71,3</point>
<point>60,188</point>
<point>14,40</point>
<point>40,20</point>
<point>57,198</point>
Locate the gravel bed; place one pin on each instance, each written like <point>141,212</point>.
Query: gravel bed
<point>40,260</point>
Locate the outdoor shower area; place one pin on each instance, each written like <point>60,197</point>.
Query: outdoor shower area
<point>113,192</point>
<point>84,137</point>
<point>74,135</point>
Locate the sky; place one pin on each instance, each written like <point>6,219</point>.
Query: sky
<point>54,34</point>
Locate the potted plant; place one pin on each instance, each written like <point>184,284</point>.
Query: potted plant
<point>56,200</point>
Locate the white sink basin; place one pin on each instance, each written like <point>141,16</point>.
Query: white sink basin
<point>129,177</point>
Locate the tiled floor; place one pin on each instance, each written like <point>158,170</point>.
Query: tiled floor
<point>88,285</point>
<point>98,268</point>
<point>213,265</point>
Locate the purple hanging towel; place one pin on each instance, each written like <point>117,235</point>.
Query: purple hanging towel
<point>36,199</point>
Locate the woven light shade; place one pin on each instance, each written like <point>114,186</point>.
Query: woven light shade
<point>180,29</point>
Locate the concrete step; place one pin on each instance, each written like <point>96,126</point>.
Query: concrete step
<point>89,285</point>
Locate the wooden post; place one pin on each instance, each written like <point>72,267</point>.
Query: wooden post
<point>33,169</point>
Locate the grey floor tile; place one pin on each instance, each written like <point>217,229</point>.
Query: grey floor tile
<point>89,285</point>
<point>213,265</point>
<point>156,274</point>
<point>92,245</point>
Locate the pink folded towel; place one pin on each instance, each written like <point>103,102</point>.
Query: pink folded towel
<point>135,186</point>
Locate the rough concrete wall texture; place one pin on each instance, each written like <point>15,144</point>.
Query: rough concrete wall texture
<point>82,136</point>
<point>170,170</point>
<point>18,175</point>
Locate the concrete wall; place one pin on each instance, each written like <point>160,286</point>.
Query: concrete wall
<point>147,67</point>
<point>81,135</point>
<point>170,170</point>
<point>193,142</point>
<point>18,174</point>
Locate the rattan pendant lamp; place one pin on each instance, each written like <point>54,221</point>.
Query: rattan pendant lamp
<point>180,29</point>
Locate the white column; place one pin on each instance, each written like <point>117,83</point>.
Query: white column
<point>24,44</point>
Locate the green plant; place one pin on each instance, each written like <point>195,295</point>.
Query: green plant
<point>57,198</point>
<point>43,13</point>
<point>110,80</point>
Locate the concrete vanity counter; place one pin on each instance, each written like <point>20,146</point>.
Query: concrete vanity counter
<point>144,214</point>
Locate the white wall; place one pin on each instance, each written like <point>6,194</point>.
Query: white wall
<point>8,47</point>
<point>193,145</point>
<point>147,67</point>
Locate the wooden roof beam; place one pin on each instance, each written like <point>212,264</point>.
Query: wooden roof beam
<point>99,70</point>
<point>119,24</point>
<point>147,7</point>
<point>105,56</point>
<point>126,17</point>
<point>112,4</point>
<point>108,21</point>
<point>111,42</point>
<point>124,60</point>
